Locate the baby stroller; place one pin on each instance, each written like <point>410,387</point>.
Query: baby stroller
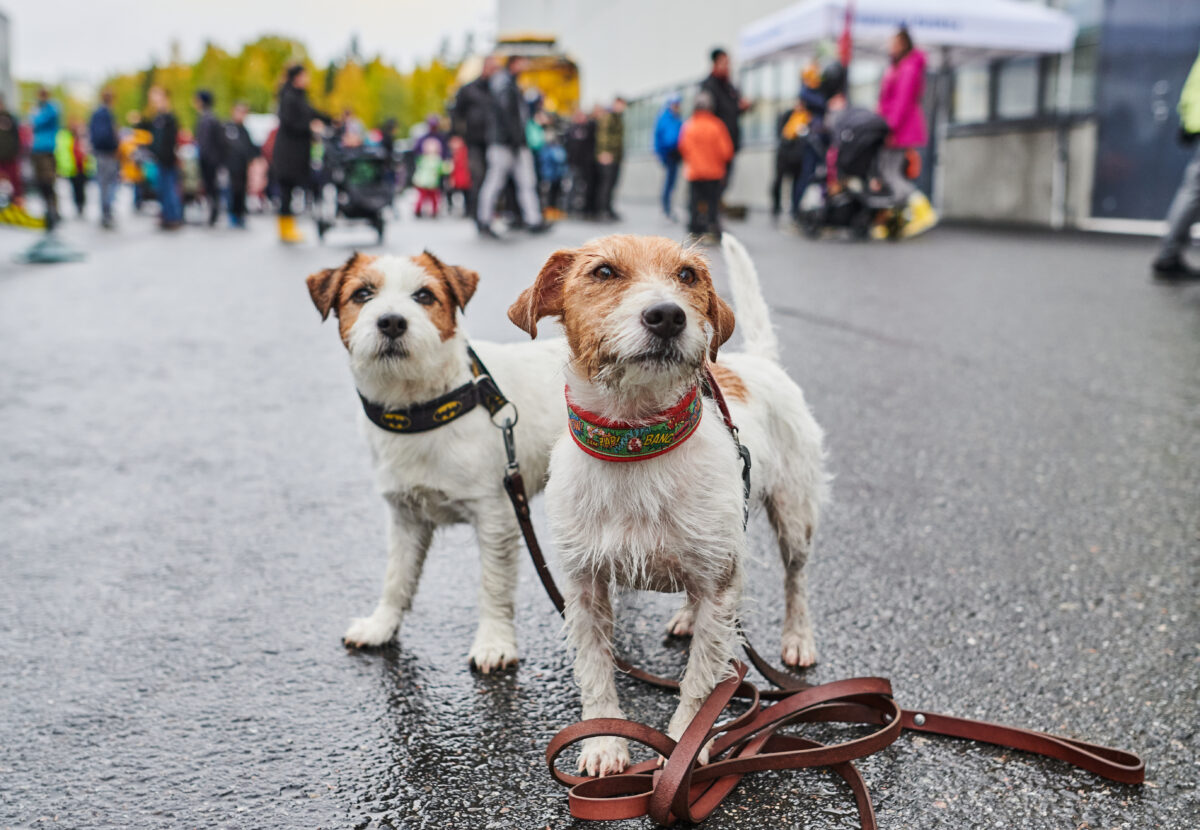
<point>854,196</point>
<point>355,186</point>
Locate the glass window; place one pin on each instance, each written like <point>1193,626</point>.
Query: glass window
<point>970,104</point>
<point>1017,88</point>
<point>865,77</point>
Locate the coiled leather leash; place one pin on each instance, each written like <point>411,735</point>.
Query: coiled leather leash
<point>680,789</point>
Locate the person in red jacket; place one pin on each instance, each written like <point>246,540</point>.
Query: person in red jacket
<point>707,149</point>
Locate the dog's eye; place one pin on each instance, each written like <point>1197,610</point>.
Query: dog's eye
<point>424,296</point>
<point>687,276</point>
<point>362,295</point>
<point>604,272</point>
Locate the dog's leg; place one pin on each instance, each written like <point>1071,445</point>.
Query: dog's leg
<point>408,542</point>
<point>683,620</point>
<point>590,628</point>
<point>495,643</point>
<point>711,658</point>
<point>794,520</point>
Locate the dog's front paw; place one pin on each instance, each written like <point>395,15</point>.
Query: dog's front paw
<point>606,755</point>
<point>799,648</point>
<point>683,622</point>
<point>493,650</point>
<point>675,732</point>
<point>375,630</point>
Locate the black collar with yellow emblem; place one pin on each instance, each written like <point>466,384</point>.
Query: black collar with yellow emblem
<point>480,390</point>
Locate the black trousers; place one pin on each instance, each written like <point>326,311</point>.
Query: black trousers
<point>606,186</point>
<point>477,165</point>
<point>212,191</point>
<point>287,188</point>
<point>237,195</point>
<point>580,197</point>
<point>704,198</point>
<point>79,191</point>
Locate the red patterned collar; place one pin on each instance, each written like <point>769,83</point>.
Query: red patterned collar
<point>625,441</point>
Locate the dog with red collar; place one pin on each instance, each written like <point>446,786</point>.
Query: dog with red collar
<point>646,490</point>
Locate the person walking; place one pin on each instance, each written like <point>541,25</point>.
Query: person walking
<point>45,123</point>
<point>427,176</point>
<point>707,149</point>
<point>164,129</point>
<point>508,154</point>
<point>71,160</point>
<point>291,161</point>
<point>10,153</point>
<point>460,175</point>
<point>900,94</point>
<point>1185,207</point>
<point>581,160</point>
<point>210,147</point>
<point>666,147</point>
<point>102,134</point>
<point>240,150</point>
<point>610,150</point>
<point>471,116</point>
<point>727,104</point>
<point>799,151</point>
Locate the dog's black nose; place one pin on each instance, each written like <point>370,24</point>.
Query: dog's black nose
<point>392,325</point>
<point>664,320</point>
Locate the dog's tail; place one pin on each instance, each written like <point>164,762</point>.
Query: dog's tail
<point>753,317</point>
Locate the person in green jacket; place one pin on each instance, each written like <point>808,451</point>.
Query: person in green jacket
<point>70,157</point>
<point>610,150</point>
<point>1185,207</point>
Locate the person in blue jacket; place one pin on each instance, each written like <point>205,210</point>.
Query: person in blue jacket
<point>666,146</point>
<point>46,122</point>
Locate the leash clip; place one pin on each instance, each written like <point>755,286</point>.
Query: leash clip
<point>510,443</point>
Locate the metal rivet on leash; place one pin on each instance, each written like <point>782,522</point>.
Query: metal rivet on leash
<point>919,720</point>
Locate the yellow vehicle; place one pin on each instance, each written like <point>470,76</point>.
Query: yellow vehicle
<point>551,71</point>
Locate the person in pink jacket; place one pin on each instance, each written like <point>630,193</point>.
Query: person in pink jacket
<point>900,95</point>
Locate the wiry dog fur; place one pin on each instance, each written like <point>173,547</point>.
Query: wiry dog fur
<point>453,473</point>
<point>674,522</point>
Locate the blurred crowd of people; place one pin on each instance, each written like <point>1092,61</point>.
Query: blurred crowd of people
<point>863,162</point>
<point>501,157</point>
<point>150,153</point>
<point>536,165</point>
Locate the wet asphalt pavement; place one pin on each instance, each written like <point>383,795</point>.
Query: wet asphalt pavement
<point>189,524</point>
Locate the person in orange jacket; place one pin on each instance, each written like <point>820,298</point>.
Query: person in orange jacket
<point>707,149</point>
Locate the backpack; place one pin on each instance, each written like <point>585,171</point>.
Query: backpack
<point>101,132</point>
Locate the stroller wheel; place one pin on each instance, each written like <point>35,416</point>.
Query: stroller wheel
<point>322,226</point>
<point>379,226</point>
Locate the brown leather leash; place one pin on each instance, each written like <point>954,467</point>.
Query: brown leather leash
<point>681,790</point>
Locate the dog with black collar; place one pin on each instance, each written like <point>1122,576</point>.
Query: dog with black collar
<point>428,403</point>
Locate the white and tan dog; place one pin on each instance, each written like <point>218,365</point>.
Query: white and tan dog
<point>399,320</point>
<point>642,321</point>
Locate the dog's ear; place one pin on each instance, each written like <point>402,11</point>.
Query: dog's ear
<point>545,296</point>
<point>721,317</point>
<point>461,282</point>
<point>323,287</point>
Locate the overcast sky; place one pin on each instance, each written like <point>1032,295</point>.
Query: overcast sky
<point>54,40</point>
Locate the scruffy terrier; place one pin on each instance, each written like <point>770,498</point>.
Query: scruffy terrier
<point>438,459</point>
<point>645,491</point>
